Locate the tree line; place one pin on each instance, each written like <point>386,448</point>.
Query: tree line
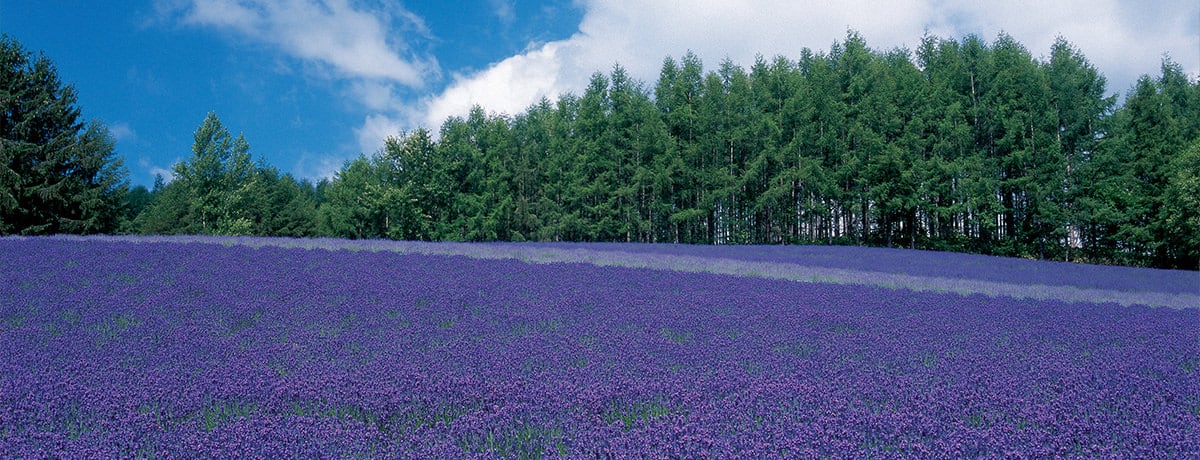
<point>960,145</point>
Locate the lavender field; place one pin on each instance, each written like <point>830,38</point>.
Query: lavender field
<point>231,347</point>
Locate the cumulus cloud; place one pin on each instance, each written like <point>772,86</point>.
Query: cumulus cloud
<point>317,167</point>
<point>366,46</point>
<point>372,46</point>
<point>167,173</point>
<point>510,85</point>
<point>375,129</point>
<point>639,35</point>
<point>1123,38</point>
<point>355,41</point>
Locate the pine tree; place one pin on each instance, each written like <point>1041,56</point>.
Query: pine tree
<point>1180,213</point>
<point>56,176</point>
<point>1077,92</point>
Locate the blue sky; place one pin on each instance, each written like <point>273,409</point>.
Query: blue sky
<point>312,83</point>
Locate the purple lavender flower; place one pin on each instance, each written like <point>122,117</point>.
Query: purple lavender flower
<point>236,347</point>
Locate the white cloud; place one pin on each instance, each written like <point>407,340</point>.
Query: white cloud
<point>639,35</point>
<point>508,86</point>
<point>372,47</point>
<point>367,47</point>
<point>375,129</point>
<point>167,174</point>
<point>1123,38</point>
<point>156,169</point>
<point>122,132</point>
<point>376,95</point>
<point>503,10</point>
<point>356,42</point>
<point>317,167</point>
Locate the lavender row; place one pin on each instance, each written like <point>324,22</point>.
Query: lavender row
<point>199,350</point>
<point>884,260</point>
<point>929,264</point>
<point>1161,288</point>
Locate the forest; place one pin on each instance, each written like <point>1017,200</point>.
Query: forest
<point>960,145</point>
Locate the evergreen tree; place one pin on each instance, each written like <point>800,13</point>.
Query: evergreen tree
<point>356,203</point>
<point>56,176</point>
<point>965,145</point>
<point>280,205</point>
<point>597,164</point>
<point>677,96</point>
<point>1077,92</point>
<point>1157,123</point>
<point>1031,168</point>
<point>1180,213</point>
<point>946,143</point>
<point>167,213</point>
<point>408,165</point>
<point>532,134</point>
<point>138,198</point>
<point>563,175</point>
<point>812,114</point>
<point>1147,134</point>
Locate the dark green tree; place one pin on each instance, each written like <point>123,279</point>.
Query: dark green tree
<point>597,163</point>
<point>1147,139</point>
<point>167,212</point>
<point>677,96</point>
<point>946,143</point>
<point>638,137</point>
<point>56,175</point>
<point>461,163</point>
<point>356,203</point>
<point>896,169</point>
<point>1156,124</point>
<point>1077,90</point>
<point>138,198</point>
<point>533,134</point>
<point>1021,137</point>
<point>409,166</point>
<point>815,115</point>
<point>962,145</point>
<point>562,191</point>
<point>279,205</point>
<point>482,153</point>
<point>1180,213</point>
